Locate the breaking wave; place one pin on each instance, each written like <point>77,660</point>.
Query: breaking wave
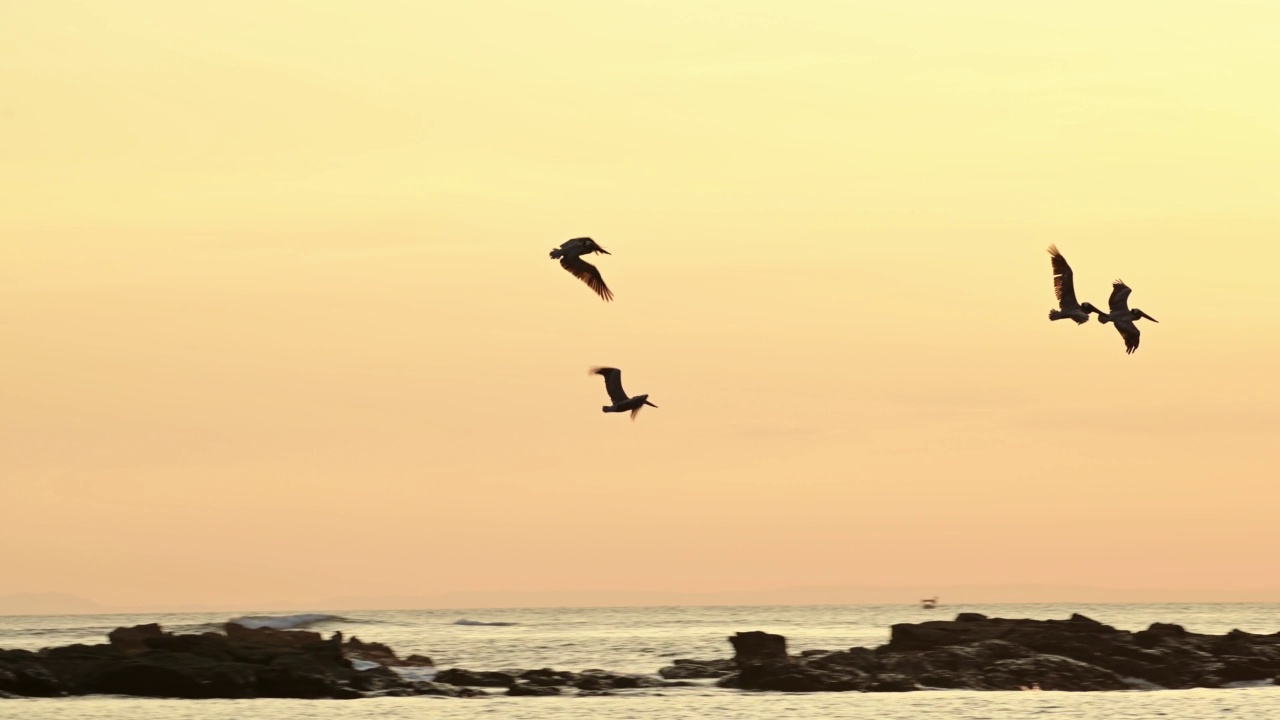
<point>285,622</point>
<point>465,621</point>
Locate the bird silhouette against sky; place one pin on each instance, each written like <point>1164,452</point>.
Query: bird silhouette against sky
<point>1064,287</point>
<point>1124,319</point>
<point>570,255</point>
<point>621,402</point>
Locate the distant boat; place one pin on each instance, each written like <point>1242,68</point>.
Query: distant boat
<point>929,603</point>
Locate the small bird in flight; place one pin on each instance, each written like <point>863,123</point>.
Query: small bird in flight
<point>621,403</point>
<point>1064,287</point>
<point>570,254</point>
<point>1123,317</point>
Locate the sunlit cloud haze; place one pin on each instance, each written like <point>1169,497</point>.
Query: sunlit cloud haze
<point>277,320</point>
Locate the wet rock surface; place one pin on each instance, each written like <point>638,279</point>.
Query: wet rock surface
<point>971,652</point>
<point>239,663</point>
<point>697,669</point>
<point>975,652</point>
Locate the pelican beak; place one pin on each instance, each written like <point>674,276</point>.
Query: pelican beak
<point>606,252</point>
<point>1150,318</point>
<point>646,402</point>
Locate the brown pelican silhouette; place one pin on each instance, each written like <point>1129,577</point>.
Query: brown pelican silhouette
<point>1064,287</point>
<point>570,254</point>
<point>1123,317</point>
<point>621,403</point>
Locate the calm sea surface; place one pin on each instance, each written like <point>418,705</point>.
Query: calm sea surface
<point>645,639</point>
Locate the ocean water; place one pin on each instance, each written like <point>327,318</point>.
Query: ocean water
<point>642,640</point>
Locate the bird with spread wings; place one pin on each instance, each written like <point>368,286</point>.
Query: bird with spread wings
<point>1064,287</point>
<point>1124,319</point>
<point>570,255</point>
<point>621,401</point>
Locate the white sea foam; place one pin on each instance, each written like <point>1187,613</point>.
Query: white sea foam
<point>284,622</point>
<point>415,673</point>
<point>465,621</point>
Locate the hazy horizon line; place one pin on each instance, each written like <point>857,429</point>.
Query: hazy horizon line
<point>64,603</point>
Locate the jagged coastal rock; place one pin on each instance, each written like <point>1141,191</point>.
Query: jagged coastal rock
<point>242,663</point>
<point>971,652</point>
<point>975,652</point>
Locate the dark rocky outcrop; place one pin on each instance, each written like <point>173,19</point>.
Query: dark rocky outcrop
<point>971,652</point>
<point>528,688</point>
<point>242,663</point>
<point>756,646</point>
<point>587,680</point>
<point>357,649</point>
<point>24,673</point>
<point>763,664</point>
<point>467,678</point>
<point>980,653</point>
<point>697,669</point>
<point>134,638</point>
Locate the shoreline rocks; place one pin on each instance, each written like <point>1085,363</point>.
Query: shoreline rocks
<point>972,652</point>
<point>241,663</point>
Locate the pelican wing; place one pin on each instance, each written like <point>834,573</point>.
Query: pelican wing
<point>1119,301</point>
<point>612,382</point>
<point>1129,331</point>
<point>587,273</point>
<point>1064,285</point>
<point>636,411</point>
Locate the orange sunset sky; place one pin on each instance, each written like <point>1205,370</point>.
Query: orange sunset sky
<point>277,320</point>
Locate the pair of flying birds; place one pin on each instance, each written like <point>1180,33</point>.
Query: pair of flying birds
<point>1069,308</point>
<point>570,255</point>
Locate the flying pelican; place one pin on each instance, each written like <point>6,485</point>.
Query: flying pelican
<point>570,254</point>
<point>1123,317</point>
<point>621,403</point>
<point>1064,287</point>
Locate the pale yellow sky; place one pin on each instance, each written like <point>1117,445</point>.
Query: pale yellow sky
<point>277,316</point>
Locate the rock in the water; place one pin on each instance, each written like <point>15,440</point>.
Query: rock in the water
<point>548,677</point>
<point>357,649</point>
<point>271,636</point>
<point>192,678</point>
<point>980,653</point>
<point>134,638</point>
<point>631,682</point>
<point>972,652</point>
<point>763,664</point>
<point>892,682</point>
<point>460,677</point>
<point>697,669</point>
<point>244,663</point>
<point>788,676</point>
<point>24,674</point>
<point>756,646</point>
<point>525,688</point>
<point>1050,672</point>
